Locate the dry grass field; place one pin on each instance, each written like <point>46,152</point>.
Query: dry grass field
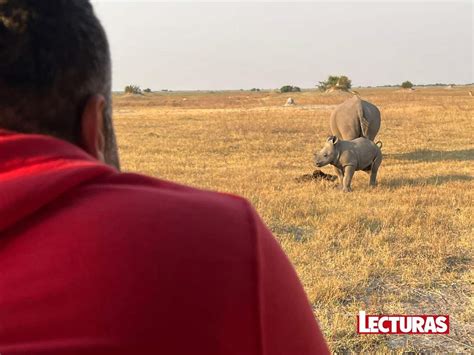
<point>405,247</point>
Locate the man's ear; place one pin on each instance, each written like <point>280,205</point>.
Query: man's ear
<point>92,130</point>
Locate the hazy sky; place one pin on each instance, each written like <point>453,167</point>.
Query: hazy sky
<point>194,45</point>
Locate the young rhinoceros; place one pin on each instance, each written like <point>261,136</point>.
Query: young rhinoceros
<point>349,156</point>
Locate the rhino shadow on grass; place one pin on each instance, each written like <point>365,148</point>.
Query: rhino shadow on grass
<point>435,155</point>
<point>432,180</point>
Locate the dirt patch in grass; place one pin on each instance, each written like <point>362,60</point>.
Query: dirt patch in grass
<point>317,175</point>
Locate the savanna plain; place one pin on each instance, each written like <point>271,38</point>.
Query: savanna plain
<point>404,247</point>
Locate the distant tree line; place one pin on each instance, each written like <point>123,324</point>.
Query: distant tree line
<point>342,82</point>
<point>421,85</point>
<point>333,82</point>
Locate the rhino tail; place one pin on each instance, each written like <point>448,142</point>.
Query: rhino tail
<point>379,144</point>
<point>364,123</point>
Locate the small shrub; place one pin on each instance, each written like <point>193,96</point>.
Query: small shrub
<point>148,90</point>
<point>407,85</point>
<point>133,89</point>
<point>289,88</point>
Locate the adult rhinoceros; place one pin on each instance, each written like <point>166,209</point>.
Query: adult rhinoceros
<point>355,118</point>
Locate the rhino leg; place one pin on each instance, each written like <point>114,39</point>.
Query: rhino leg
<point>375,168</point>
<point>340,175</point>
<point>348,174</point>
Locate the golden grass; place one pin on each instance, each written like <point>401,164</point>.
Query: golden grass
<point>404,247</point>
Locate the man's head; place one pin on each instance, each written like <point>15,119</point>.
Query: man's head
<point>55,74</point>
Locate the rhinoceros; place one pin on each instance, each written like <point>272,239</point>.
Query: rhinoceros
<point>350,156</point>
<point>355,118</point>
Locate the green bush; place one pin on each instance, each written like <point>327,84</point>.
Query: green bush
<point>335,82</point>
<point>147,90</point>
<point>133,89</point>
<point>289,88</point>
<point>407,85</point>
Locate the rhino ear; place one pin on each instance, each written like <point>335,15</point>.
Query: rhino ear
<point>333,139</point>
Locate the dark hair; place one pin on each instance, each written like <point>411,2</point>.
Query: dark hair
<point>53,56</point>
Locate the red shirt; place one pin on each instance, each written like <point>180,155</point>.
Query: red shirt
<point>93,261</point>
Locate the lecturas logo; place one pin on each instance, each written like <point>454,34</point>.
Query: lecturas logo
<point>402,324</point>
